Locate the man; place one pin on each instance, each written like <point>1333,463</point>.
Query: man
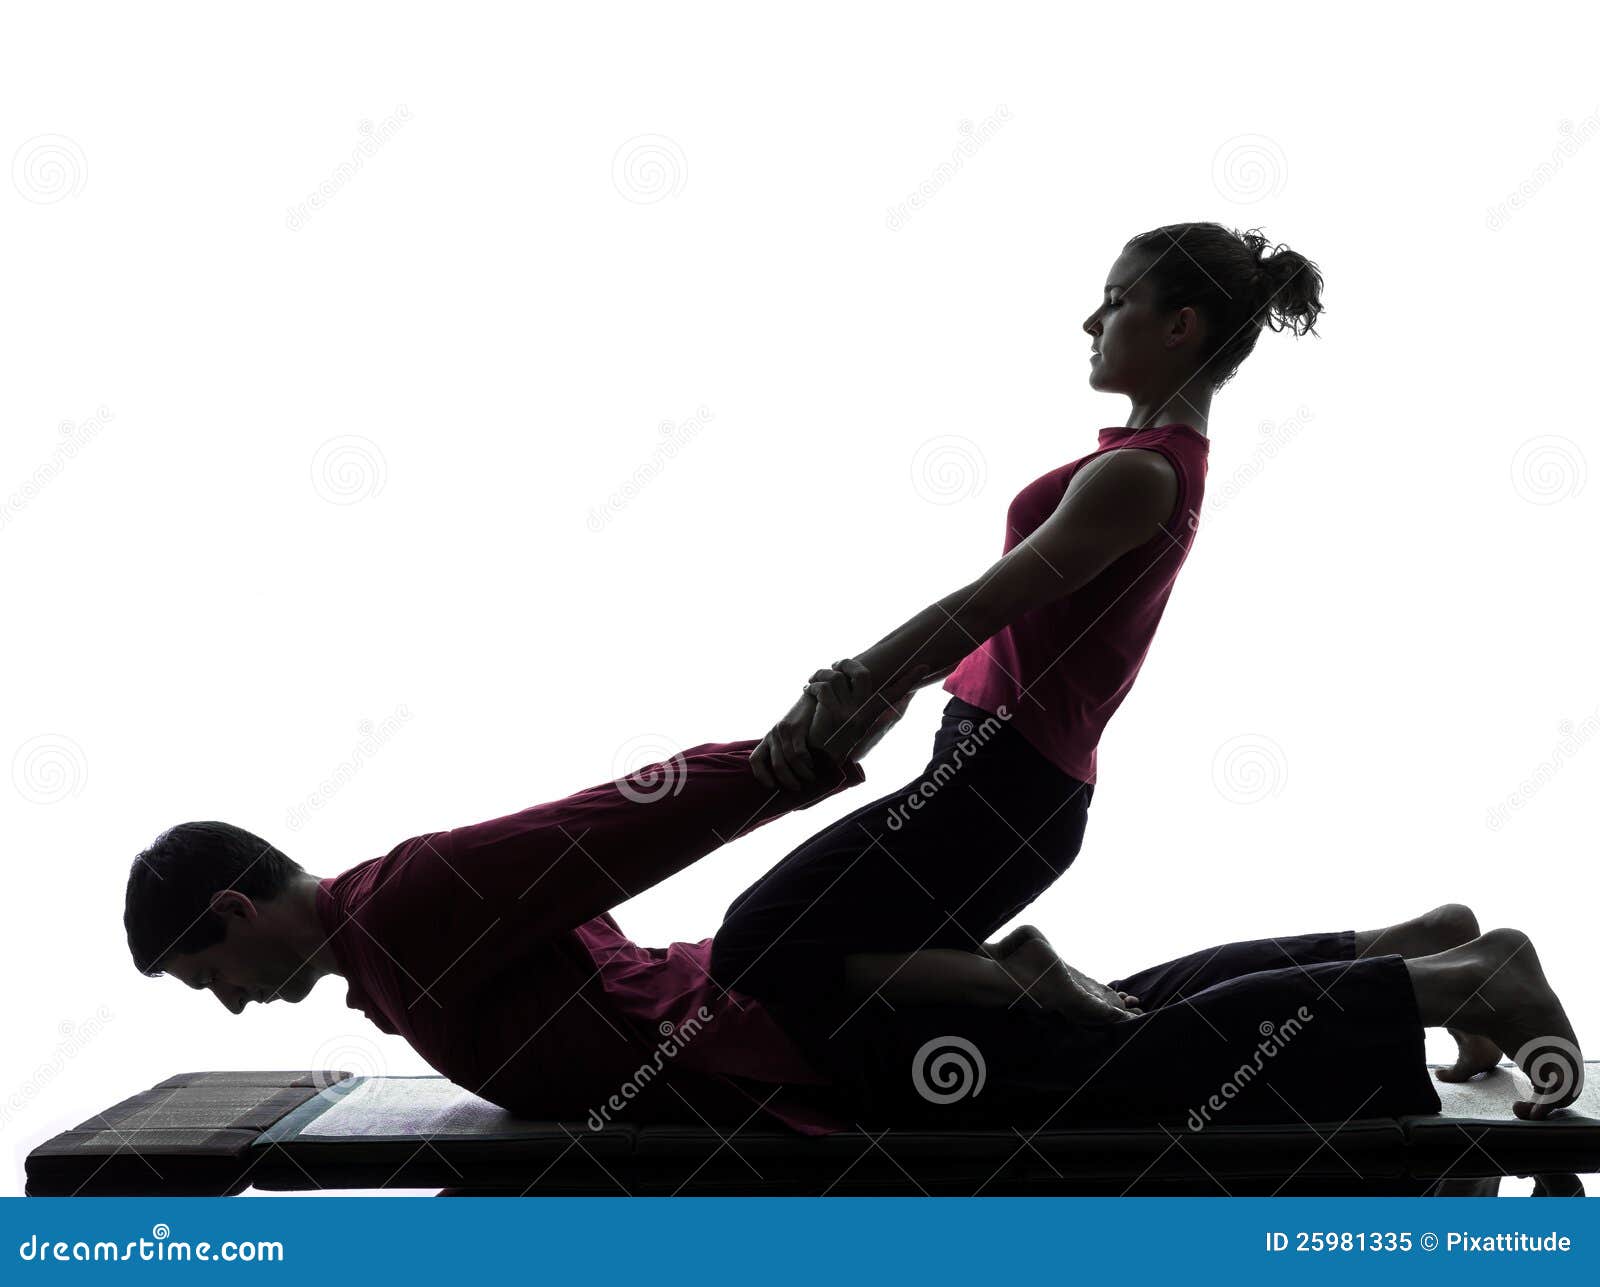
<point>491,950</point>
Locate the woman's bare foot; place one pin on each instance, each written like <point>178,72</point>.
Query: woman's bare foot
<point>1057,986</point>
<point>1511,1004</point>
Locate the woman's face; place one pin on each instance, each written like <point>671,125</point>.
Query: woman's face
<point>1135,348</point>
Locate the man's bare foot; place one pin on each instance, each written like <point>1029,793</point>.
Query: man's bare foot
<point>1446,926</point>
<point>1514,1007</point>
<point>1474,1054</point>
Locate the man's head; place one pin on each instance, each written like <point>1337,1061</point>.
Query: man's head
<point>220,908</point>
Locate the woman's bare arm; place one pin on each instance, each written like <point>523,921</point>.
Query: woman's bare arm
<point>1113,505</point>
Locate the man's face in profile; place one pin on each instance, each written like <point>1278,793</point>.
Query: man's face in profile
<point>253,962</point>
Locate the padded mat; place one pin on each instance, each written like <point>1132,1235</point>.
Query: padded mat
<point>219,1132</point>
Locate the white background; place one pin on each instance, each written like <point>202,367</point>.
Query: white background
<point>267,476</point>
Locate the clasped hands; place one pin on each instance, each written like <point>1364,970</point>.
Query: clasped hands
<point>840,715</point>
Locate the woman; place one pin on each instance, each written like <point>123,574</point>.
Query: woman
<point>898,897</point>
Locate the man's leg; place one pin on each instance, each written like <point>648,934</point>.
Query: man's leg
<point>1496,986</point>
<point>1444,927</point>
<point>1324,1042</point>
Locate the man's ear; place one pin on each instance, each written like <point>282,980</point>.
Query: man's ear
<point>230,902</point>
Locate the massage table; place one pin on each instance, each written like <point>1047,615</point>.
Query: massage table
<point>218,1133</point>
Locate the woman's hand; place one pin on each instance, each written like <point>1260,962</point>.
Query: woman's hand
<point>840,715</point>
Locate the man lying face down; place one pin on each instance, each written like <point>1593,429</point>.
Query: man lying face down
<point>491,950</point>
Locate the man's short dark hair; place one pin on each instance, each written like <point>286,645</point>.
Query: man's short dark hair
<point>170,887</point>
